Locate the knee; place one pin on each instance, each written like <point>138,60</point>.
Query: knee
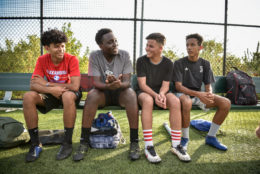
<point>173,101</point>
<point>93,96</point>
<point>68,97</point>
<point>129,96</point>
<point>186,103</point>
<point>147,101</point>
<point>30,97</point>
<point>225,104</point>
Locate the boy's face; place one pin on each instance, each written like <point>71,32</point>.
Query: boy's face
<point>192,47</point>
<point>153,49</point>
<point>109,44</point>
<point>56,50</point>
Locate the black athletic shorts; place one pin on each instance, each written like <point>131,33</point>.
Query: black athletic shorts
<point>52,102</point>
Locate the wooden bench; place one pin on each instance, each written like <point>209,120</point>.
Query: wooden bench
<point>10,82</point>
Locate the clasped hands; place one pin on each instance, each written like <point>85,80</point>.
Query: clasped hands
<point>113,82</point>
<point>56,91</point>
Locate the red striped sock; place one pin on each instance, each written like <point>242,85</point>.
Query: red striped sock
<point>148,137</point>
<point>176,137</point>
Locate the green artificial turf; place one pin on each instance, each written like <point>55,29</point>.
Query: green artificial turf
<point>237,132</point>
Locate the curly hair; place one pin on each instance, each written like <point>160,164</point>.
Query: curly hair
<point>100,34</point>
<point>195,36</point>
<point>160,38</point>
<point>53,36</point>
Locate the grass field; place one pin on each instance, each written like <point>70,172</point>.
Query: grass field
<point>237,132</point>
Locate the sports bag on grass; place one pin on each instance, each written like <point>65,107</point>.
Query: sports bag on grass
<point>240,88</point>
<point>105,132</point>
<point>12,132</point>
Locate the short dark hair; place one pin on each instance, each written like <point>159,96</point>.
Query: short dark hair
<point>53,36</point>
<point>160,38</point>
<point>195,36</point>
<point>100,34</point>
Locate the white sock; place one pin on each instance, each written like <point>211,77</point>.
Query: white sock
<point>148,137</point>
<point>176,137</point>
<point>185,132</point>
<point>213,129</point>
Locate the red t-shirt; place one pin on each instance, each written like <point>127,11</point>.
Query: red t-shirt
<point>57,74</point>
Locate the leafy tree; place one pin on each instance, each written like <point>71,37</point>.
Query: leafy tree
<point>213,52</point>
<point>171,54</point>
<point>252,61</point>
<point>21,57</point>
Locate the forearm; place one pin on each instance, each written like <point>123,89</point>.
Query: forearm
<point>187,91</point>
<point>69,86</point>
<point>148,90</point>
<point>40,88</point>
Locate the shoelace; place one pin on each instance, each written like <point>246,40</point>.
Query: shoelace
<point>180,148</point>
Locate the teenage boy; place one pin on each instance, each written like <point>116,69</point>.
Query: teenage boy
<point>111,70</point>
<point>61,87</point>
<point>189,74</point>
<point>154,74</point>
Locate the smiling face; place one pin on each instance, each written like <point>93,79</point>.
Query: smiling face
<point>153,49</point>
<point>109,44</point>
<point>193,48</point>
<point>56,51</point>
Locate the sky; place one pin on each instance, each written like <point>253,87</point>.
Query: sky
<point>239,12</point>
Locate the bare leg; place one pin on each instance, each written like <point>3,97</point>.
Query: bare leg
<point>173,103</point>
<point>128,100</point>
<point>69,106</point>
<point>30,100</point>
<point>146,101</point>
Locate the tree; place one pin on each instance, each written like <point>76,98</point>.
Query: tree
<point>21,57</point>
<point>171,54</point>
<point>252,61</point>
<point>213,52</point>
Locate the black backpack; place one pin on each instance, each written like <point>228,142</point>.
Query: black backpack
<point>240,88</point>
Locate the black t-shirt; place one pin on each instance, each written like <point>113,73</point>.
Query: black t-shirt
<point>192,74</point>
<point>155,73</point>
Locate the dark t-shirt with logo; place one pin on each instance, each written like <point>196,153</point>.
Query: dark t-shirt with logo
<point>192,74</point>
<point>155,73</point>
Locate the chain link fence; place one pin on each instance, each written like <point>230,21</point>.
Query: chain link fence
<point>23,21</point>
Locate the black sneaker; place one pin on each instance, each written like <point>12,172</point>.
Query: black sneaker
<point>79,154</point>
<point>34,153</point>
<point>64,152</point>
<point>134,152</point>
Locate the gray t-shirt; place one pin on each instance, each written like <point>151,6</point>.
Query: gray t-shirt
<point>98,65</point>
<point>192,74</point>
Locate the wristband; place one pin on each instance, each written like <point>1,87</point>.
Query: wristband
<point>47,84</point>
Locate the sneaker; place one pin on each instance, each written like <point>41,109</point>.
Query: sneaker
<point>151,155</point>
<point>180,152</point>
<point>34,153</point>
<point>213,141</point>
<point>134,152</point>
<point>79,154</point>
<point>64,152</point>
<point>184,143</point>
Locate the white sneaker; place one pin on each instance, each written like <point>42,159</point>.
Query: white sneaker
<point>182,155</point>
<point>151,155</point>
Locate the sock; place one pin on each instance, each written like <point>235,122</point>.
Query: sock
<point>148,137</point>
<point>68,135</point>
<point>133,135</point>
<point>185,132</point>
<point>176,137</point>
<point>85,132</point>
<point>213,129</point>
<point>34,136</point>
